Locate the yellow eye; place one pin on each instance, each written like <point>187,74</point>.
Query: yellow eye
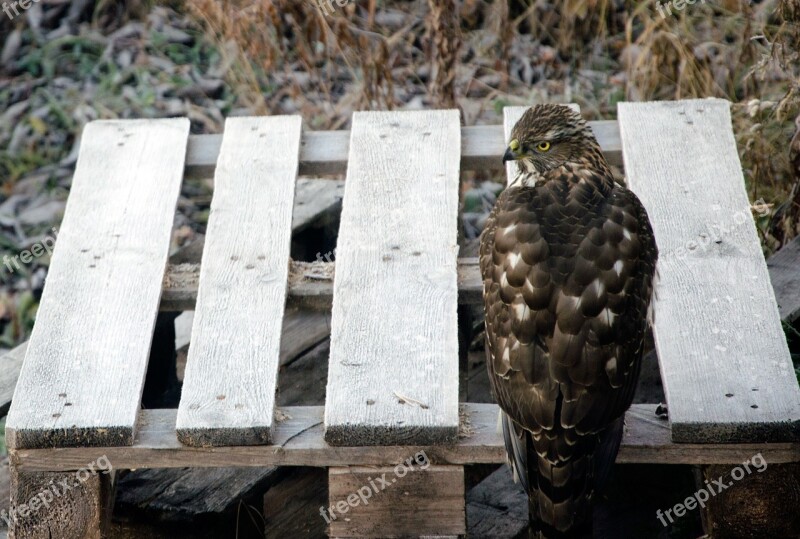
<point>543,146</point>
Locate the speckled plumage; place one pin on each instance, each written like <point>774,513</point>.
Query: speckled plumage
<point>567,259</point>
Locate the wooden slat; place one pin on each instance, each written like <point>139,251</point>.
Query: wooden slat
<point>325,152</point>
<point>393,374</point>
<point>312,286</point>
<point>83,373</point>
<point>228,393</point>
<point>181,294</point>
<point>725,366</point>
<point>315,198</point>
<point>299,442</point>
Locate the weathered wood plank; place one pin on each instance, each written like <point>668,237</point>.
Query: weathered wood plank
<point>186,495</point>
<point>393,370</point>
<point>784,274</point>
<point>52,504</point>
<point>84,370</point>
<point>325,152</point>
<point>189,494</point>
<point>417,500</point>
<point>181,294</point>
<point>180,285</point>
<point>726,368</point>
<point>497,507</point>
<point>763,502</point>
<point>291,508</point>
<point>310,285</point>
<point>231,373</point>
<point>299,441</point>
<point>314,198</point>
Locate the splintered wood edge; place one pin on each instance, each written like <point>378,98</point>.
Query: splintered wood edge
<point>383,435</point>
<point>220,436</point>
<point>299,441</point>
<point>325,152</point>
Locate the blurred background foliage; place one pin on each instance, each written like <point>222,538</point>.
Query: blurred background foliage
<point>66,62</point>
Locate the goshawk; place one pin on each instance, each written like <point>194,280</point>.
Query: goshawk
<point>567,259</point>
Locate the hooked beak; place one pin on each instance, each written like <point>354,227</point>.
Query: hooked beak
<point>512,152</point>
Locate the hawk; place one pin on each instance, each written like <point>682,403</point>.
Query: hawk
<point>567,259</point>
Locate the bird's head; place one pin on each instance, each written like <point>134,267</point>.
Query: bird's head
<point>548,136</point>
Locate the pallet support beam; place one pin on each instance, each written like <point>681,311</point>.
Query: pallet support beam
<point>60,504</point>
<point>411,499</point>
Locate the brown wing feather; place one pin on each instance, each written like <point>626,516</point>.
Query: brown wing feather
<point>567,273</point>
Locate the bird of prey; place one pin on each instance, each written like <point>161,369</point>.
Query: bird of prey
<point>567,259</point>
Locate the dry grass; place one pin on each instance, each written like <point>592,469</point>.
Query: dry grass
<point>283,50</point>
<point>747,54</point>
<point>291,56</point>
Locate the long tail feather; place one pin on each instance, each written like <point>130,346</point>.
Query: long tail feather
<point>560,490</point>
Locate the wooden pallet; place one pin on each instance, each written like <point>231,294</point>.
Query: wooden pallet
<point>393,370</point>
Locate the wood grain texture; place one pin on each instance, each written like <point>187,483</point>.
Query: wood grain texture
<point>310,286</point>
<point>83,374</point>
<point>325,152</point>
<point>725,365</point>
<point>497,507</point>
<point>414,501</point>
<point>180,288</point>
<point>763,503</point>
<point>393,370</point>
<point>291,508</point>
<point>784,273</point>
<point>81,511</point>
<point>231,372</point>
<point>315,198</point>
<point>187,495</point>
<point>298,441</point>
<point>191,494</point>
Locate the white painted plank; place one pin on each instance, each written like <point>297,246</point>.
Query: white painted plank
<point>393,374</point>
<point>511,116</point>
<point>231,372</point>
<point>84,370</point>
<point>724,361</point>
